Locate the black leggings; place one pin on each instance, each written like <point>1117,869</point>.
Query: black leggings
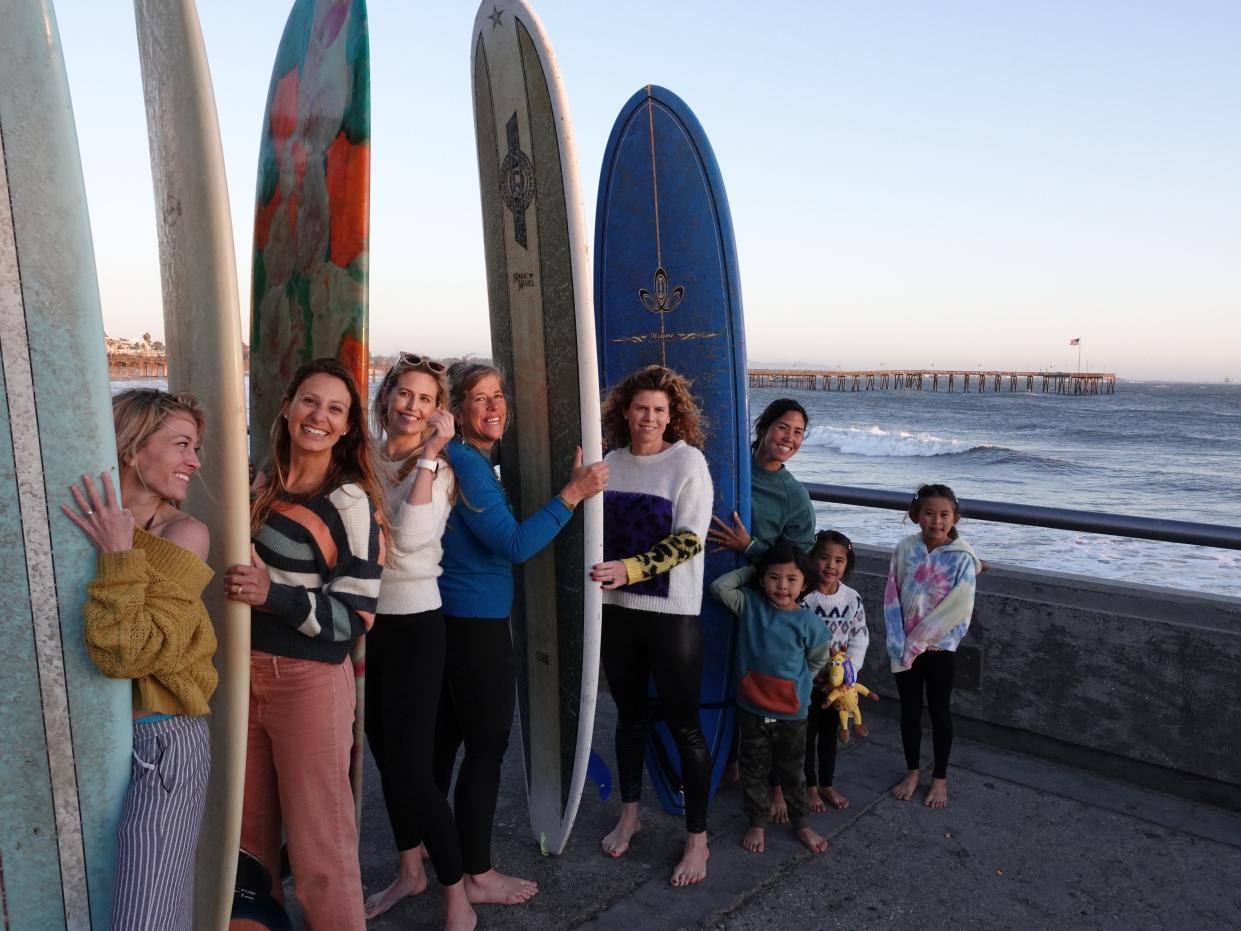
<point>932,670</point>
<point>822,725</point>
<point>405,670</point>
<point>636,646</point>
<point>476,708</point>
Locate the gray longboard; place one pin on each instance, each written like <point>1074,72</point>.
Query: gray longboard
<point>542,335</point>
<point>68,730</point>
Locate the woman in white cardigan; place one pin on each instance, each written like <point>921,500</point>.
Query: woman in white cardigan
<point>405,648</point>
<point>657,509</point>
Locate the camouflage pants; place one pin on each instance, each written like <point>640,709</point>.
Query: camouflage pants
<point>772,745</point>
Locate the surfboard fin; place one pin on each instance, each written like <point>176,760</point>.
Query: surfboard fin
<point>600,775</point>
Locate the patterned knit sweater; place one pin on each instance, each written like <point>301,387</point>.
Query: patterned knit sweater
<point>845,618</point>
<point>656,512</point>
<point>325,556</point>
<point>929,598</point>
<point>145,620</point>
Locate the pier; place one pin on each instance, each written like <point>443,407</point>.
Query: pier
<point>137,364</point>
<point>976,381</point>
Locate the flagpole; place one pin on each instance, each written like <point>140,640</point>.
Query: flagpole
<point>1079,356</point>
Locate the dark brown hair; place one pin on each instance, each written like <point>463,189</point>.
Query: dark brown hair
<point>351,456</point>
<point>934,491</point>
<point>773,412</point>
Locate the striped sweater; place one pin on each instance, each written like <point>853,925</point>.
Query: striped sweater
<point>325,556</point>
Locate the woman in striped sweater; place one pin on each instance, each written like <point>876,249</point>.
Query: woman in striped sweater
<point>317,555</point>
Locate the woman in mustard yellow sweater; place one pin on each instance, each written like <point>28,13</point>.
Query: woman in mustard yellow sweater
<point>145,621</point>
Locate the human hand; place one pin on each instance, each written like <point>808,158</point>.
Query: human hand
<point>735,538</point>
<point>248,584</point>
<point>610,575</point>
<point>108,526</point>
<point>441,426</point>
<point>585,481</point>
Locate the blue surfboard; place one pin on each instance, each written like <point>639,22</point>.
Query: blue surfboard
<point>667,291</point>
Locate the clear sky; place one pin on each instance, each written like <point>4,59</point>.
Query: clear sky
<point>957,183</point>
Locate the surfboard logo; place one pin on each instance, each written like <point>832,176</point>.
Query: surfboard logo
<point>663,302</point>
<point>516,181</point>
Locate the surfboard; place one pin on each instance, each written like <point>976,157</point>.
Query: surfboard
<point>308,294</point>
<point>202,333</point>
<point>668,291</point>
<point>543,336</point>
<point>67,729</point>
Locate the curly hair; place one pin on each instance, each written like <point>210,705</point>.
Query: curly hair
<point>137,413</point>
<point>351,456</point>
<point>685,421</point>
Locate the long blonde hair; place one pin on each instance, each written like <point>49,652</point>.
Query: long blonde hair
<point>407,362</point>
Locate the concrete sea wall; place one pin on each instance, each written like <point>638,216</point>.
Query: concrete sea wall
<point>1131,681</point>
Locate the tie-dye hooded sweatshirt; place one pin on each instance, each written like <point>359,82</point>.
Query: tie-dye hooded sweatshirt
<point>929,599</point>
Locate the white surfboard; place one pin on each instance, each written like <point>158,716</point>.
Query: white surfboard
<point>202,331</point>
<point>543,335</point>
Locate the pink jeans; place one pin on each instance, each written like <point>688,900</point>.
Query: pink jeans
<point>297,777</point>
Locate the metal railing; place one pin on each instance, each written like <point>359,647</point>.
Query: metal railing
<point>1117,525</point>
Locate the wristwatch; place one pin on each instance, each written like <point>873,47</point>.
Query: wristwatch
<point>431,465</point>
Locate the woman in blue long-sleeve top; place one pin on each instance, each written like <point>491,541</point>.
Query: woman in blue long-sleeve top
<point>481,543</point>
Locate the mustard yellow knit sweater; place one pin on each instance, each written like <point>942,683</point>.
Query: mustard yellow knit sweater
<point>145,620</point>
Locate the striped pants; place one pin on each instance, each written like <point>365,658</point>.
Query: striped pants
<point>159,826</point>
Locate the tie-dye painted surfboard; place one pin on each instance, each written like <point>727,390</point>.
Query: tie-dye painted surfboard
<point>68,733</point>
<point>311,225</point>
<point>202,326</point>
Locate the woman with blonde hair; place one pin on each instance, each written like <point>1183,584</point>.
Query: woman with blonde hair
<point>405,668</point>
<point>317,555</point>
<point>145,621</point>
<point>656,513</point>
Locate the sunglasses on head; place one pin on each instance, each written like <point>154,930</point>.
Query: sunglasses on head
<point>426,362</point>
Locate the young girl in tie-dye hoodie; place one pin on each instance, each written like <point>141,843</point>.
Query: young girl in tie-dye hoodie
<point>927,607</point>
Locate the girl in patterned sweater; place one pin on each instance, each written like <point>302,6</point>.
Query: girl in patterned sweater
<point>927,606</point>
<point>841,609</point>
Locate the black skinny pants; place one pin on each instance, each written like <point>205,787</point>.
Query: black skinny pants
<point>932,671</point>
<point>404,675</point>
<point>636,646</point>
<point>476,709</point>
<point>822,725</point>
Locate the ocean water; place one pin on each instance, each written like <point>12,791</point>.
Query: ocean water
<point>1170,451</point>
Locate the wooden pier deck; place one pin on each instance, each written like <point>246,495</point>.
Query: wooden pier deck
<point>933,380</point>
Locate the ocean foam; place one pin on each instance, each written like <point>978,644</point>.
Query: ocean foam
<point>876,441</point>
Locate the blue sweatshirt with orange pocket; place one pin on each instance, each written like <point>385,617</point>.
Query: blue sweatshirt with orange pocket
<point>778,652</point>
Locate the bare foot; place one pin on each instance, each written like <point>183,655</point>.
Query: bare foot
<point>905,789</point>
<point>835,799</point>
<point>937,796</point>
<point>779,807</point>
<point>693,866</point>
<point>731,775</point>
<point>495,888</point>
<point>814,799</point>
<point>410,880</point>
<point>458,912</point>
<point>812,839</point>
<point>754,840</point>
<point>617,842</point>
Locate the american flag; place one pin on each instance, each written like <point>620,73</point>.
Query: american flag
<point>1075,342</point>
